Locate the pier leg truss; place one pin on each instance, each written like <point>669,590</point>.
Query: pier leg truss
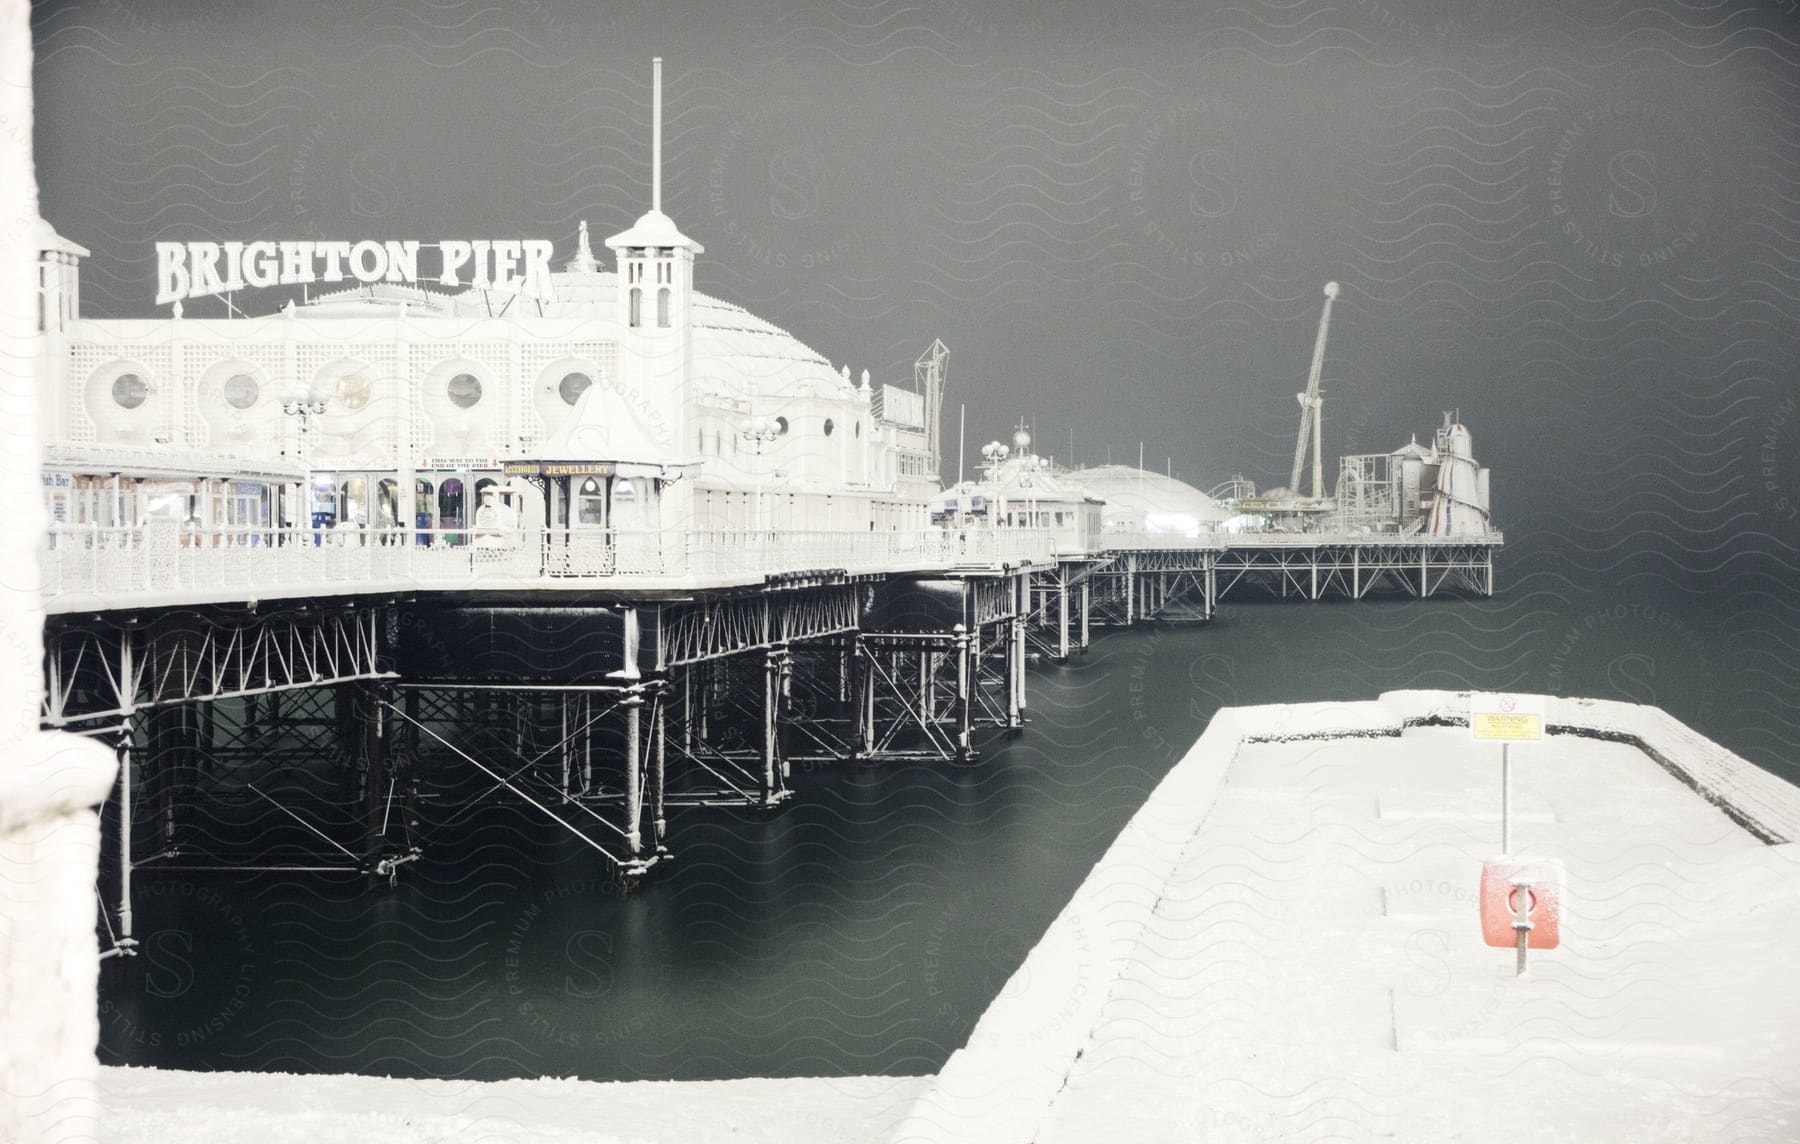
<point>1418,567</point>
<point>238,736</point>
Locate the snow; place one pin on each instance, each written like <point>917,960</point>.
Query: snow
<point>150,1106</point>
<point>1284,944</point>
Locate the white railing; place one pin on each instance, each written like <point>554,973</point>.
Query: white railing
<point>83,565</point>
<point>1218,539</point>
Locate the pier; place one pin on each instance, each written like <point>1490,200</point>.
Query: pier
<point>274,696</point>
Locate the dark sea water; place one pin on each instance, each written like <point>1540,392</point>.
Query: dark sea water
<point>864,926</point>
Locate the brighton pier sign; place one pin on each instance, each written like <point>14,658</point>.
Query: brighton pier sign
<point>199,269</point>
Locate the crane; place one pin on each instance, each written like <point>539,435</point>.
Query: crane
<point>928,376</point>
<point>1310,403</point>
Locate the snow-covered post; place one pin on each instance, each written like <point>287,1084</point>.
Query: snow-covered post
<point>49,834</point>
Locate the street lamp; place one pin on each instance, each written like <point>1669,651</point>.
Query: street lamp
<point>305,411</point>
<point>994,453</point>
<point>759,432</point>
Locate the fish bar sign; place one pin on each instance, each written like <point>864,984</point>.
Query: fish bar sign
<point>1503,718</point>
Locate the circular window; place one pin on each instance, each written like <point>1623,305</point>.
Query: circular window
<point>129,391</point>
<point>464,390</point>
<point>573,386</point>
<point>781,426</point>
<point>829,426</point>
<point>353,391</point>
<point>241,391</point>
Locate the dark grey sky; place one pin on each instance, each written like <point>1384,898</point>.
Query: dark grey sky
<point>1579,225</point>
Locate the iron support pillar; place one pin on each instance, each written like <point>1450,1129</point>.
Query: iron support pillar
<point>865,699</point>
<point>1020,611</point>
<point>965,722</point>
<point>634,800</point>
<point>774,667</point>
<point>1086,599</point>
<point>1062,612</point>
<point>124,944</point>
<point>373,749</point>
<point>1130,588</point>
<point>659,779</point>
<point>1015,667</point>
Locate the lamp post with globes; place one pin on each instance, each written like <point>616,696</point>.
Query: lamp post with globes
<point>305,410</point>
<point>759,432</point>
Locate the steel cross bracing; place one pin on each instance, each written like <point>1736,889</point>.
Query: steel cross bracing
<point>921,695</point>
<point>709,629</point>
<point>109,671</point>
<point>1059,618</point>
<point>1313,572</point>
<point>1156,583</point>
<point>727,728</point>
<point>297,781</point>
<point>567,754</point>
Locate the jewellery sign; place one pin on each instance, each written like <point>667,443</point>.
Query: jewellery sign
<point>200,269</point>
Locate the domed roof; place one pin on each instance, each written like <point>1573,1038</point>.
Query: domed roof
<point>1150,500</point>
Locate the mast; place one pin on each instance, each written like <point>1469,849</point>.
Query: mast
<point>656,133</point>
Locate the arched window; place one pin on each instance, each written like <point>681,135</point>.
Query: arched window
<point>353,501</point>
<point>450,503</point>
<point>387,504</point>
<point>781,426</point>
<point>423,503</point>
<point>637,307</point>
<point>829,426</point>
<point>662,308</point>
<point>590,503</point>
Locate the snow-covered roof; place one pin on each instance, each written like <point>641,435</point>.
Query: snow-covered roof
<point>166,461</point>
<point>654,228</point>
<point>49,239</point>
<point>1132,490</point>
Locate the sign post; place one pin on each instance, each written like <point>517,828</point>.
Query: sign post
<point>1513,896</point>
<point>1506,719</point>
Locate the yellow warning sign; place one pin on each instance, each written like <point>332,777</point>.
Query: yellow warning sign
<point>1499,718</point>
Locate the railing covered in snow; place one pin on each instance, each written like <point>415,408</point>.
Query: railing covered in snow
<point>91,567</point>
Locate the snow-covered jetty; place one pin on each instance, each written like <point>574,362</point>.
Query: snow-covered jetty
<point>1284,944</point>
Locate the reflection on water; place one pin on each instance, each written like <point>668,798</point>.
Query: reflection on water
<point>863,927</point>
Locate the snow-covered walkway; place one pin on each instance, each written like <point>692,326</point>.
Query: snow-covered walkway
<point>1306,964</point>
